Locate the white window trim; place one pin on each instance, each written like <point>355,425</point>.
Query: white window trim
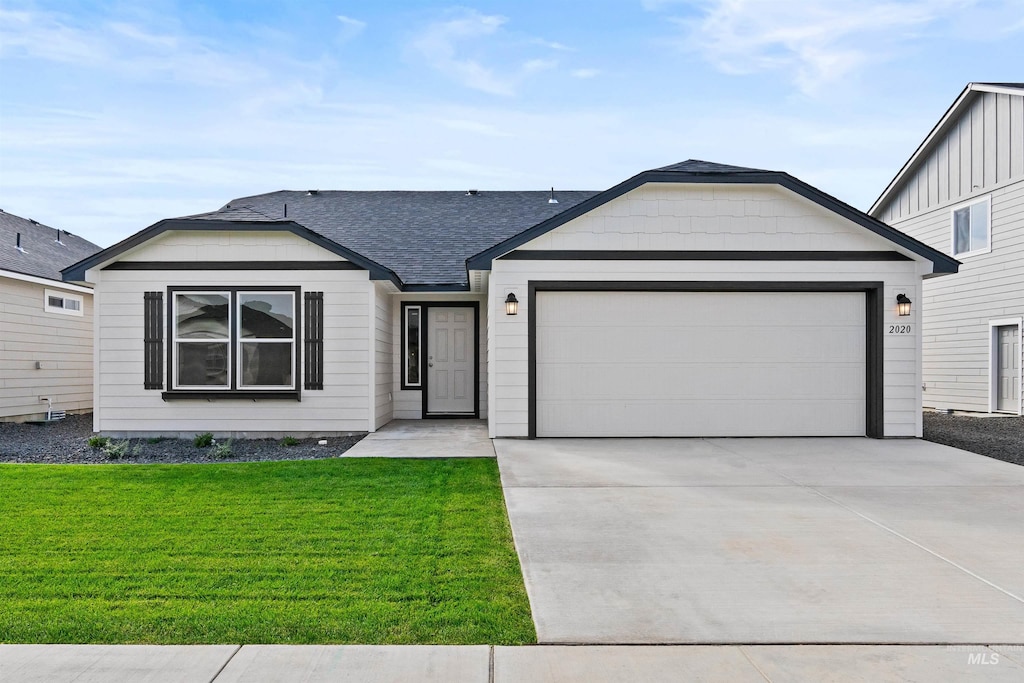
<point>277,340</point>
<point>175,341</point>
<point>993,362</point>
<point>952,227</point>
<point>47,293</point>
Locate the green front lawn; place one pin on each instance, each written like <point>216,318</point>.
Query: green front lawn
<point>325,551</point>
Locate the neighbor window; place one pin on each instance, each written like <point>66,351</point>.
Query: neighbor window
<point>234,339</point>
<point>62,302</point>
<point>971,228</point>
<point>412,335</point>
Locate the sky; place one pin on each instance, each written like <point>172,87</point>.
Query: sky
<point>115,115</point>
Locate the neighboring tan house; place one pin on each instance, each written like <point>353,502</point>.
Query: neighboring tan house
<point>696,299</point>
<point>962,192</point>
<point>45,323</point>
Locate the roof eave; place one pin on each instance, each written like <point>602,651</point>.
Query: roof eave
<point>76,272</point>
<point>941,262</point>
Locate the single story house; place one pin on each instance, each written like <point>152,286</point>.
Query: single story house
<point>698,299</point>
<point>962,192</point>
<point>45,323</point>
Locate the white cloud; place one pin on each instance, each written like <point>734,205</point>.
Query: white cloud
<point>456,47</point>
<point>350,28</point>
<point>820,41</point>
<point>585,73</point>
<point>553,45</point>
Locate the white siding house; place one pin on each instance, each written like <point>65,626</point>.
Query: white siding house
<point>46,325</point>
<point>693,300</point>
<point>962,192</point>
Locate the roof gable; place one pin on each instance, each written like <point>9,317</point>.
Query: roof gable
<point>695,171</point>
<point>949,122</point>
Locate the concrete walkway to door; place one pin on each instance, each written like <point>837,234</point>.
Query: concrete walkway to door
<point>454,438</point>
<point>766,541</point>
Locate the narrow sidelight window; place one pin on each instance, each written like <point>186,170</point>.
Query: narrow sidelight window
<point>413,339</point>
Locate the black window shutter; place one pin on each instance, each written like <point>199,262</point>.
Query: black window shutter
<point>314,338</point>
<point>154,340</point>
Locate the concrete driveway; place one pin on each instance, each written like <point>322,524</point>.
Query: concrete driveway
<point>766,540</point>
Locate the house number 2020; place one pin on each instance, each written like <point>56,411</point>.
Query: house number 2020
<point>900,329</point>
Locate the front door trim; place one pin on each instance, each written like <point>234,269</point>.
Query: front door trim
<point>993,362</point>
<point>425,353</point>
<point>875,380</point>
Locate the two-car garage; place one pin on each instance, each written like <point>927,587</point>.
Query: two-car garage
<point>705,359</point>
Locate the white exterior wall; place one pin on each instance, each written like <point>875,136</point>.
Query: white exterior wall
<point>959,307</point>
<point>384,353</point>
<point>703,217</point>
<point>60,344</point>
<point>124,407</point>
<point>408,403</point>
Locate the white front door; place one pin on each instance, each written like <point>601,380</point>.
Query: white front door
<point>450,359</point>
<point>1007,368</point>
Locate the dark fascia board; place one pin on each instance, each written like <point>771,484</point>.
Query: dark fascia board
<point>76,272</point>
<point>453,287</point>
<point>941,262</point>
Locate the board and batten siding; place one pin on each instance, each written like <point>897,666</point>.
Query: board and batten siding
<point>408,404</point>
<point>125,408</point>
<point>43,354</point>
<point>981,150</point>
<point>703,218</point>
<point>959,307</point>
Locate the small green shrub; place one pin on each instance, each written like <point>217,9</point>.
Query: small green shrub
<point>116,450</point>
<point>203,440</point>
<point>136,450</point>
<point>97,441</point>
<point>156,439</point>
<point>289,441</point>
<point>223,450</point>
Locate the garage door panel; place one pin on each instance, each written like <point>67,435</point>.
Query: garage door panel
<point>700,363</point>
<point>566,344</point>
<point>702,380</point>
<point>704,417</point>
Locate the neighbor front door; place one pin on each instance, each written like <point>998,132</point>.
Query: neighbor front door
<point>450,360</point>
<point>1008,368</point>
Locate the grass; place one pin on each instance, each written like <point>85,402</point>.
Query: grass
<point>326,551</point>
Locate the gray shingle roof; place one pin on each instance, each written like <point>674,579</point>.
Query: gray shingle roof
<point>43,256</point>
<point>704,167</point>
<point>425,237</point>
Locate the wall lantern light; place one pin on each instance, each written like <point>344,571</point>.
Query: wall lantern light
<point>511,304</point>
<point>903,304</point>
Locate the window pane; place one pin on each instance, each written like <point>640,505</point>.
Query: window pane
<point>201,316</point>
<point>56,302</point>
<point>979,226</point>
<point>412,344</point>
<point>72,304</point>
<point>266,364</point>
<point>961,230</point>
<point>202,364</point>
<point>267,316</point>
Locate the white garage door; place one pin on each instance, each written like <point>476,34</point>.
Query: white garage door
<point>700,363</point>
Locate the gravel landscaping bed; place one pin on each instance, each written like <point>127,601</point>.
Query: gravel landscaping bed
<point>997,437</point>
<point>68,442</point>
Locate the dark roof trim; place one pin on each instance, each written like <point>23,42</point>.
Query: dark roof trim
<point>941,262</point>
<point>76,272</point>
<point>453,287</point>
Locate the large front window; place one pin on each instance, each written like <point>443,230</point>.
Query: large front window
<point>234,339</point>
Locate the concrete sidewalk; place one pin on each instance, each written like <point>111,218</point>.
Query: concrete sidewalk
<point>426,439</point>
<point>484,664</point>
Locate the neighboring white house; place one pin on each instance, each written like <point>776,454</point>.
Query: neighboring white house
<point>45,324</point>
<point>697,299</point>
<point>962,192</point>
